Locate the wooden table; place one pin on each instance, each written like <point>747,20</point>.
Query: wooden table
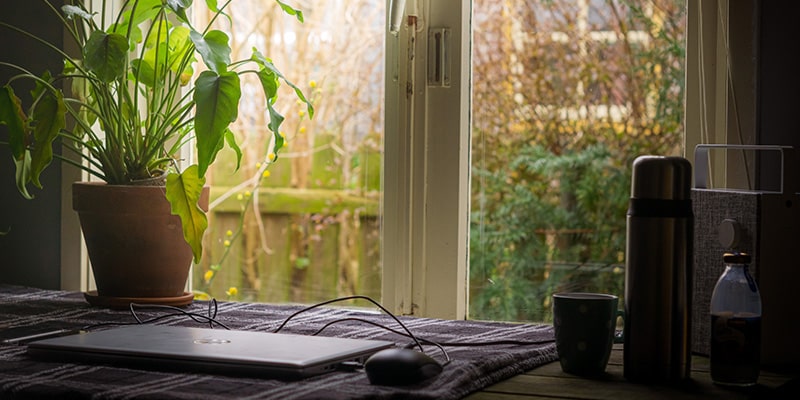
<point>549,382</point>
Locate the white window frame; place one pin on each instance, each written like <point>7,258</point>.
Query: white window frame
<point>426,181</point>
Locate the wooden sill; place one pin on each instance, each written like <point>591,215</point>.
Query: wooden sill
<point>549,382</point>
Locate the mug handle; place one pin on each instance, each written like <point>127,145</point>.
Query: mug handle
<point>619,336</point>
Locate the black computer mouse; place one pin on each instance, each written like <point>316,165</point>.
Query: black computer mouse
<point>396,367</point>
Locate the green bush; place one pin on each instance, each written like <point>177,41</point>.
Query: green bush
<point>529,239</point>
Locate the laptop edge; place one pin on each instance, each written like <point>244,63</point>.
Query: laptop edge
<point>78,348</point>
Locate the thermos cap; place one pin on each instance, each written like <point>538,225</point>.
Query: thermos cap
<point>661,177</point>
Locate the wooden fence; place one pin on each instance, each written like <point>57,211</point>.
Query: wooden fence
<point>309,241</point>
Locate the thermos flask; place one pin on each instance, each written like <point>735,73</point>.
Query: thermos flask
<point>658,276</point>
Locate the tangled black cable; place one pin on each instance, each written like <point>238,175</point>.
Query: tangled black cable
<point>355,297</point>
<point>211,319</point>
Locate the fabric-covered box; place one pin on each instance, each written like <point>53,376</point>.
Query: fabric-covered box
<point>766,225</point>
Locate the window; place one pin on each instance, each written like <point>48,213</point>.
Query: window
<point>425,211</point>
<point>577,90</point>
<point>307,228</point>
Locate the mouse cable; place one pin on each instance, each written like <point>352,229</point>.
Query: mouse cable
<point>440,345</point>
<point>395,331</point>
<point>444,344</point>
<point>354,297</point>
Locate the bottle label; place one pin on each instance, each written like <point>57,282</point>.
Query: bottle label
<point>735,348</point>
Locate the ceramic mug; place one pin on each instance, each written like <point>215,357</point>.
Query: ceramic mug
<point>585,325</point>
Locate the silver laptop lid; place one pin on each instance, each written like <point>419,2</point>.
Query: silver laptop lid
<point>283,355</point>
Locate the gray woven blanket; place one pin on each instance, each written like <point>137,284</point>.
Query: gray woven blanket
<point>472,368</point>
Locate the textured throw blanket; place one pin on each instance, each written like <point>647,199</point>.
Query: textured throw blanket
<point>471,369</point>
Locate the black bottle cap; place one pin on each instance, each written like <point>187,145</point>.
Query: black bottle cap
<point>736,258</point>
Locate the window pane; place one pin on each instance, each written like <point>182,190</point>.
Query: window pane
<point>566,94</point>
<point>316,234</point>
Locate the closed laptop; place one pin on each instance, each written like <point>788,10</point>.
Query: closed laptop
<point>273,355</point>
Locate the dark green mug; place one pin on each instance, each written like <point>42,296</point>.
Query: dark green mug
<point>585,324</point>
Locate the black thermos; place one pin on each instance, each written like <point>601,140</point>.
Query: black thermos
<point>658,275</point>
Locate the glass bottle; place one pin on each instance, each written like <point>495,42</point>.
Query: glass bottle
<point>735,324</point>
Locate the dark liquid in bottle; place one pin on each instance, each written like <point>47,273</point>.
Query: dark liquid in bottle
<point>735,349</point>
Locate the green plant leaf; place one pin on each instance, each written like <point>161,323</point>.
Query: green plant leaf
<point>165,51</point>
<point>179,45</point>
<point>158,33</point>
<point>144,70</point>
<point>81,92</point>
<point>146,10</point>
<point>266,63</point>
<point>275,121</point>
<point>105,54</point>
<point>134,38</point>
<point>214,49</point>
<point>212,5</point>
<point>291,11</point>
<point>179,8</point>
<point>183,194</point>
<point>186,75</point>
<point>23,174</point>
<point>217,105</point>
<point>71,11</point>
<point>270,83</point>
<point>230,138</point>
<point>177,4</point>
<point>156,60</point>
<point>49,116</point>
<point>13,117</point>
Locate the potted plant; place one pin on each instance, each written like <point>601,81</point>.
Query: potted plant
<point>122,110</point>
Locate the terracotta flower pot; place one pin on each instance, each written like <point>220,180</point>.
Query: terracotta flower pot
<point>135,244</point>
